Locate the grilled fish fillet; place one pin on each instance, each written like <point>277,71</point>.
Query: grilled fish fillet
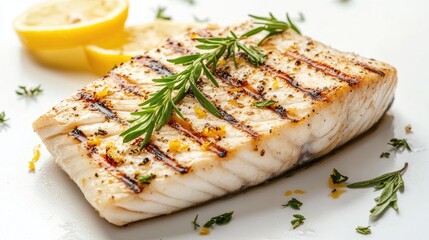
<point>324,98</point>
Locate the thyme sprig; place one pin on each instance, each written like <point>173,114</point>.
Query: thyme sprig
<point>156,111</point>
<point>29,92</point>
<point>390,183</point>
<point>160,13</point>
<point>399,144</point>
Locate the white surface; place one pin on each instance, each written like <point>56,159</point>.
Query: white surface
<point>48,205</point>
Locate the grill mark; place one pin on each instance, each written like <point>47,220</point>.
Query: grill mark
<point>171,162</point>
<point>128,181</point>
<point>160,156</point>
<point>371,69</point>
<point>327,69</point>
<point>155,65</point>
<point>177,46</point>
<point>250,91</point>
<point>99,106</point>
<point>186,129</point>
<point>127,85</point>
<point>313,93</point>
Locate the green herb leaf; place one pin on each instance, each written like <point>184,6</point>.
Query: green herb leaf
<point>297,221</point>
<point>219,220</point>
<point>160,14</point>
<point>146,179</point>
<point>195,223</point>
<point>390,183</point>
<point>363,230</point>
<point>3,118</point>
<point>399,144</point>
<point>190,2</point>
<point>294,204</point>
<point>262,104</point>
<point>156,111</point>
<point>29,92</point>
<point>385,155</point>
<point>338,177</point>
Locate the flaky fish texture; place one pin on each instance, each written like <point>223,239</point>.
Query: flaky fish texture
<point>324,98</point>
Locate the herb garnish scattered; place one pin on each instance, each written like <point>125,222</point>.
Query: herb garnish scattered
<point>399,144</point>
<point>29,92</point>
<point>146,178</point>
<point>298,221</point>
<point>160,14</point>
<point>294,204</point>
<point>390,183</point>
<point>156,111</point>
<point>363,230</point>
<point>385,155</point>
<point>195,223</point>
<point>190,2</point>
<point>3,118</point>
<point>219,220</point>
<point>201,20</point>
<point>337,177</point>
<point>262,104</point>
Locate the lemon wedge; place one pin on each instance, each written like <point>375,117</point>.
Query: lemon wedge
<point>107,52</point>
<point>62,24</point>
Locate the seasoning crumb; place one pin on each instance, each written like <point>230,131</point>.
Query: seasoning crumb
<point>408,129</point>
<point>36,156</point>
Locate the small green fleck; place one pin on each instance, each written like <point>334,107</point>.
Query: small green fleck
<point>337,177</point>
<point>195,223</point>
<point>297,221</point>
<point>146,179</point>
<point>219,220</point>
<point>265,103</point>
<point>294,204</point>
<point>385,155</point>
<point>160,14</point>
<point>3,118</point>
<point>400,144</point>
<point>363,230</point>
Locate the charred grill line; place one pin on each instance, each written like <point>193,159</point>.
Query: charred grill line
<point>324,68</point>
<point>95,104</point>
<point>314,94</point>
<point>129,182</point>
<point>155,65</point>
<point>125,83</point>
<point>371,69</point>
<point>198,137</point>
<point>249,90</point>
<point>159,155</point>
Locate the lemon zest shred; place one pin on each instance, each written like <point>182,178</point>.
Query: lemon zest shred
<point>176,146</point>
<point>102,93</point>
<point>275,84</point>
<point>288,193</point>
<point>94,142</point>
<point>298,191</point>
<point>214,132</point>
<point>204,231</point>
<point>200,112</point>
<point>36,156</point>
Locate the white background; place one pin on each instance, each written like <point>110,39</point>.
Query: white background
<point>46,204</point>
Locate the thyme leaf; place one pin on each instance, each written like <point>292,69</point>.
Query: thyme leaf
<point>337,177</point>
<point>400,144</point>
<point>195,223</point>
<point>3,118</point>
<point>364,230</point>
<point>294,204</point>
<point>219,220</point>
<point>297,221</point>
<point>265,103</point>
<point>160,13</point>
<point>146,179</point>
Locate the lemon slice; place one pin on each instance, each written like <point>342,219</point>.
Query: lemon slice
<point>70,23</point>
<point>105,53</point>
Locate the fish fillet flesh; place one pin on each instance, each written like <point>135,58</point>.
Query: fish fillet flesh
<point>324,98</point>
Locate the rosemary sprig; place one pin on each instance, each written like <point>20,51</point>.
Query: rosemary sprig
<point>29,92</point>
<point>160,14</point>
<point>400,144</point>
<point>390,183</point>
<point>156,111</point>
<point>3,118</point>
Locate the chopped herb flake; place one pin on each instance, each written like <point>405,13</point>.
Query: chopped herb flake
<point>337,177</point>
<point>363,230</point>
<point>298,221</point>
<point>294,204</point>
<point>219,220</point>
